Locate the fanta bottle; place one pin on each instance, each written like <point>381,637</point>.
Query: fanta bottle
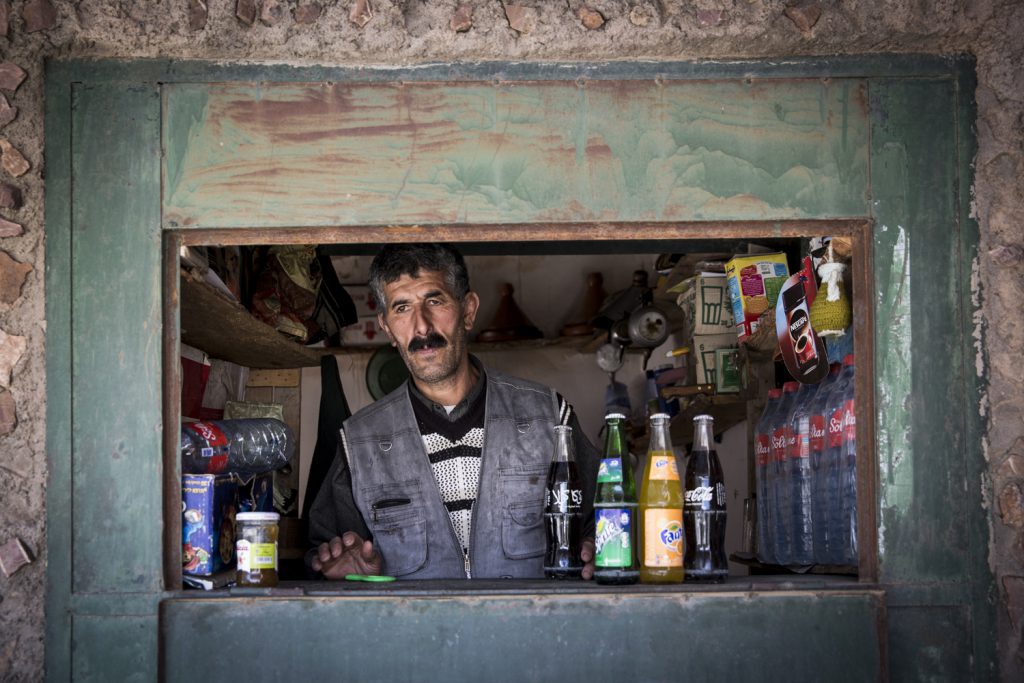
<point>661,510</point>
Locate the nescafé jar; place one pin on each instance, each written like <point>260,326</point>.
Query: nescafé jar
<point>256,549</point>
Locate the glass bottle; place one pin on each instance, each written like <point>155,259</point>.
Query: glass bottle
<point>661,510</point>
<point>615,510</point>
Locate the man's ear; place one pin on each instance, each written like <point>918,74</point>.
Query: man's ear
<point>470,305</point>
<point>387,330</point>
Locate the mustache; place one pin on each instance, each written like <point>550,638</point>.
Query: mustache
<point>433,340</point>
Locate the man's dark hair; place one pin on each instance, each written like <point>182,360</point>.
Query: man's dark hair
<point>396,260</point>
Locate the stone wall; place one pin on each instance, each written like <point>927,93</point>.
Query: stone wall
<point>401,32</point>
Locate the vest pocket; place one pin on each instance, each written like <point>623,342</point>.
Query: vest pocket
<point>400,534</point>
<point>522,530</point>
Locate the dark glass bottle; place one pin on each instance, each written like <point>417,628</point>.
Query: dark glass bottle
<point>615,510</point>
<point>563,510</point>
<point>704,513</point>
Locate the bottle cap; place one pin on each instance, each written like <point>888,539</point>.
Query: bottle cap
<point>790,387</point>
<point>614,416</point>
<point>657,416</point>
<point>774,393</point>
<point>257,517</point>
<point>703,418</point>
<point>563,428</point>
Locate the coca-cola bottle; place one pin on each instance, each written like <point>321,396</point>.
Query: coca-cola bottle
<point>824,488</point>
<point>704,507</point>
<point>835,437</point>
<point>563,510</point>
<point>798,461</point>
<point>763,456</point>
<point>781,522</point>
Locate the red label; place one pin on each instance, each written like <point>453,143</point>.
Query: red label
<point>218,446</point>
<point>849,422</point>
<point>792,444</point>
<point>763,449</point>
<point>817,428</point>
<point>835,430</point>
<point>779,445</point>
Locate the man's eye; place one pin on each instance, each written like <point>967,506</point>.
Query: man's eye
<point>401,309</point>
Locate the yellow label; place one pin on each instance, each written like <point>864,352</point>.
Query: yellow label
<point>253,556</point>
<point>663,466</point>
<point>663,537</point>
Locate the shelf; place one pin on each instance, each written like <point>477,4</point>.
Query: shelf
<point>225,330</point>
<point>728,410</point>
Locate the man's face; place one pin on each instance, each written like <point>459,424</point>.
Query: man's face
<point>427,325</point>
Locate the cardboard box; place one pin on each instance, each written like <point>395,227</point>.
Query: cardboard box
<point>209,503</point>
<point>754,284</point>
<point>365,332</point>
<point>703,355</point>
<point>706,305</point>
<point>362,297</point>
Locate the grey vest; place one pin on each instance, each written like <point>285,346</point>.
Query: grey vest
<point>394,486</point>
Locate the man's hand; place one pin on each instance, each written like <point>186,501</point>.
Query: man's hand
<point>587,552</point>
<point>348,554</point>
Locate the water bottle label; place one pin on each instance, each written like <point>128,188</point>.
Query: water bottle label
<point>612,541</point>
<point>216,449</point>
<point>763,447</point>
<point>835,429</point>
<point>778,445</point>
<point>849,421</point>
<point>664,467</point>
<point>663,537</point>
<point>610,471</point>
<point>817,427</point>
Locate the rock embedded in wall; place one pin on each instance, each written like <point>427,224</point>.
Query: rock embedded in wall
<point>7,112</point>
<point>308,13</point>
<point>245,10</point>
<point>521,18</point>
<point>13,556</point>
<point>39,15</point>
<point>12,278</point>
<point>11,349</point>
<point>360,13</point>
<point>1007,255</point>
<point>590,17</point>
<point>804,15</point>
<point>198,13</point>
<point>10,197</point>
<point>707,18</point>
<point>9,228</point>
<point>14,162</point>
<point>640,15</point>
<point>272,12</point>
<point>11,76</point>
<point>1011,506</point>
<point>462,18</point>
<point>8,413</point>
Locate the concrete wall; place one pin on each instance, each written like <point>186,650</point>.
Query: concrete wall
<point>416,31</point>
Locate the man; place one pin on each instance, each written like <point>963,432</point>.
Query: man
<point>443,477</point>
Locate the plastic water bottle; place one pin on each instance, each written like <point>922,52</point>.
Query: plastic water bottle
<point>763,459</point>
<point>777,475</point>
<point>246,446</point>
<point>835,438</point>
<point>848,471</point>
<point>824,489</point>
<point>798,461</point>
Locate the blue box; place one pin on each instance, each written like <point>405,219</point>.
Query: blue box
<point>209,504</point>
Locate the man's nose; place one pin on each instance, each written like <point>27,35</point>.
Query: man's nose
<point>422,323</point>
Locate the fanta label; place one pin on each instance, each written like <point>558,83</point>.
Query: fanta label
<point>612,534</point>
<point>663,466</point>
<point>663,540</point>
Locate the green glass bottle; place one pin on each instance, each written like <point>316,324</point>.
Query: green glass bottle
<point>615,510</point>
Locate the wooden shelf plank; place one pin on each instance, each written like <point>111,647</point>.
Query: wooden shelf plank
<point>227,331</point>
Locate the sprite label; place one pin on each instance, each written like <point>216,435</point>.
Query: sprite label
<point>610,471</point>
<point>612,537</point>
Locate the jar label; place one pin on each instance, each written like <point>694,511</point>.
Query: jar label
<point>663,466</point>
<point>610,471</point>
<point>253,556</point>
<point>663,537</point>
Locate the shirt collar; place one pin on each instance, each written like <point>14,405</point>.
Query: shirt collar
<point>464,405</point>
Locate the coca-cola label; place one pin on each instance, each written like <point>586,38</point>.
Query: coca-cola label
<point>835,429</point>
<point>705,495</point>
<point>697,496</point>
<point>763,449</point>
<point>817,429</point>
<point>216,448</point>
<point>562,498</point>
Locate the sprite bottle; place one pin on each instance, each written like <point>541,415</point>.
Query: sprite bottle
<point>615,509</point>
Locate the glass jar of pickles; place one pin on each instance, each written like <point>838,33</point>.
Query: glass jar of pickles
<point>256,549</point>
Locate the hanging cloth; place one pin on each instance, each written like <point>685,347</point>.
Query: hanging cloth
<point>333,412</point>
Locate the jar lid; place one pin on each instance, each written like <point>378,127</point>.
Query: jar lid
<point>257,517</point>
